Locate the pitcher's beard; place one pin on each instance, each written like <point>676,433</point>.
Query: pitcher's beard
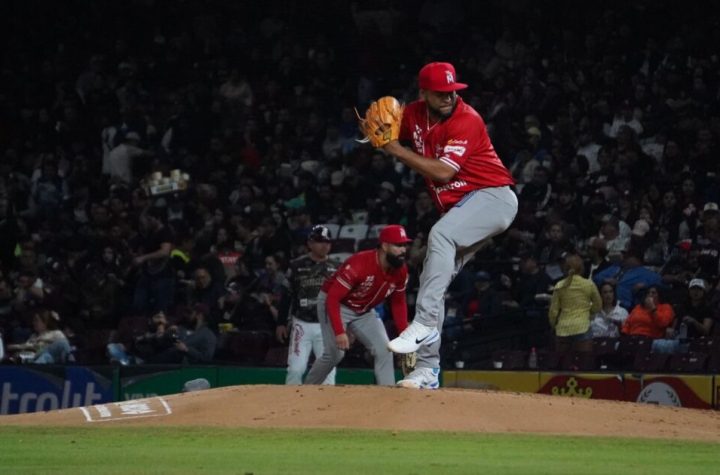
<point>395,261</point>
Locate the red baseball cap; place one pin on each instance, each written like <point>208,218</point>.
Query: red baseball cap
<point>394,234</point>
<point>439,77</point>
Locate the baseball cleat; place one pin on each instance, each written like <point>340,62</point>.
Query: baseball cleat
<point>413,338</point>
<point>421,378</point>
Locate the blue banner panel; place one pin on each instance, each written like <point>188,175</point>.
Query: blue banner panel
<point>33,389</point>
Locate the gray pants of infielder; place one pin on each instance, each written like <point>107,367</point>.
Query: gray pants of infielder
<point>371,333</point>
<point>453,241</point>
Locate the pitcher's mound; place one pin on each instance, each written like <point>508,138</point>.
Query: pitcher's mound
<point>372,407</point>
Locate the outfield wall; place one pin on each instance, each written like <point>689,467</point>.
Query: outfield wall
<point>32,388</point>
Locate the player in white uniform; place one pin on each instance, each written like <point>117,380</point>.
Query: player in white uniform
<point>306,275</point>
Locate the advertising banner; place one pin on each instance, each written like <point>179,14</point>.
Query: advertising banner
<point>583,385</point>
<point>43,388</point>
<point>526,382</point>
<point>137,382</point>
<point>671,390</point>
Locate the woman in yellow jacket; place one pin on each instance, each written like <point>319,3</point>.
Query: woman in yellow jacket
<point>574,300</point>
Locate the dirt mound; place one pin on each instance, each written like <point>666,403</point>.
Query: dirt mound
<point>372,407</point>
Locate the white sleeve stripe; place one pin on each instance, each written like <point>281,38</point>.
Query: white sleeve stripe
<point>343,283</point>
<point>447,161</point>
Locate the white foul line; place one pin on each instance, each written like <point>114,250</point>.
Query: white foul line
<point>87,414</point>
<point>167,406</point>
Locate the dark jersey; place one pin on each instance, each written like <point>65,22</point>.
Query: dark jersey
<point>306,276</point>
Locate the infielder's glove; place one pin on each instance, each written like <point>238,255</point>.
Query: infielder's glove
<point>407,362</point>
<point>381,123</point>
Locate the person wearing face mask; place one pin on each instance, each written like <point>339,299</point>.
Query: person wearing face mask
<point>347,302</point>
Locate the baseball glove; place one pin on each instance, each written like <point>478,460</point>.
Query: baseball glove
<point>407,363</point>
<point>381,123</point>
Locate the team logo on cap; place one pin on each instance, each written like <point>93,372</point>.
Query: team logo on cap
<point>449,77</point>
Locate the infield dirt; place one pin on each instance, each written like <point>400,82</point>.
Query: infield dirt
<point>372,407</point>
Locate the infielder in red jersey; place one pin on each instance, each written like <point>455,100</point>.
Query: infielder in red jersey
<point>471,187</point>
<point>347,301</point>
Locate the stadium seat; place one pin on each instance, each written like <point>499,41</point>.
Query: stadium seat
<point>340,256</point>
<point>344,245</point>
<point>688,363</point>
<point>354,231</point>
<point>360,217</point>
<point>630,347</point>
<point>374,231</point>
<point>511,359</point>
<point>605,351</point>
<point>367,243</point>
<point>578,361</point>
<point>713,363</point>
<point>704,344</point>
<point>650,362</point>
<point>333,228</point>
<point>549,360</point>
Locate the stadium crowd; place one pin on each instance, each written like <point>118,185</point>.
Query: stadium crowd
<point>607,115</point>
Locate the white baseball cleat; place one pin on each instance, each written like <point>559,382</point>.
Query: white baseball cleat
<point>413,338</point>
<point>421,378</point>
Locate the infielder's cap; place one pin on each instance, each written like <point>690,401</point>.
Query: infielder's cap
<point>697,283</point>
<point>394,234</point>
<point>710,206</point>
<point>320,233</point>
<point>439,77</point>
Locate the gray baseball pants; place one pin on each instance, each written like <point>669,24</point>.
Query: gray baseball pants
<point>368,329</point>
<point>453,241</point>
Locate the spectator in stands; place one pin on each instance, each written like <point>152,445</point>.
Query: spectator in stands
<point>155,286</point>
<point>206,290</point>
<point>121,158</point>
<point>574,300</point>
<point>552,248</point>
<point>196,346</point>
<point>606,323</point>
<point>272,288</point>
<point>650,318</point>
<point>695,312</point>
<point>538,192</point>
<point>531,292</point>
<point>159,337</point>
<point>628,278</point>
<point>483,301</point>
<point>616,234</point>
<point>597,260</point>
<point>694,319</point>
<point>47,345</point>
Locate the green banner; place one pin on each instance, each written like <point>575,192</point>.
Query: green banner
<point>138,382</point>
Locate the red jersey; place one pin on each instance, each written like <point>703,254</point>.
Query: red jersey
<point>368,285</point>
<point>460,141</point>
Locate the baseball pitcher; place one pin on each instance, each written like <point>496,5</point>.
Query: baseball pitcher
<point>450,147</point>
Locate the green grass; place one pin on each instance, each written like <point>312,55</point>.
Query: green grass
<point>109,450</point>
